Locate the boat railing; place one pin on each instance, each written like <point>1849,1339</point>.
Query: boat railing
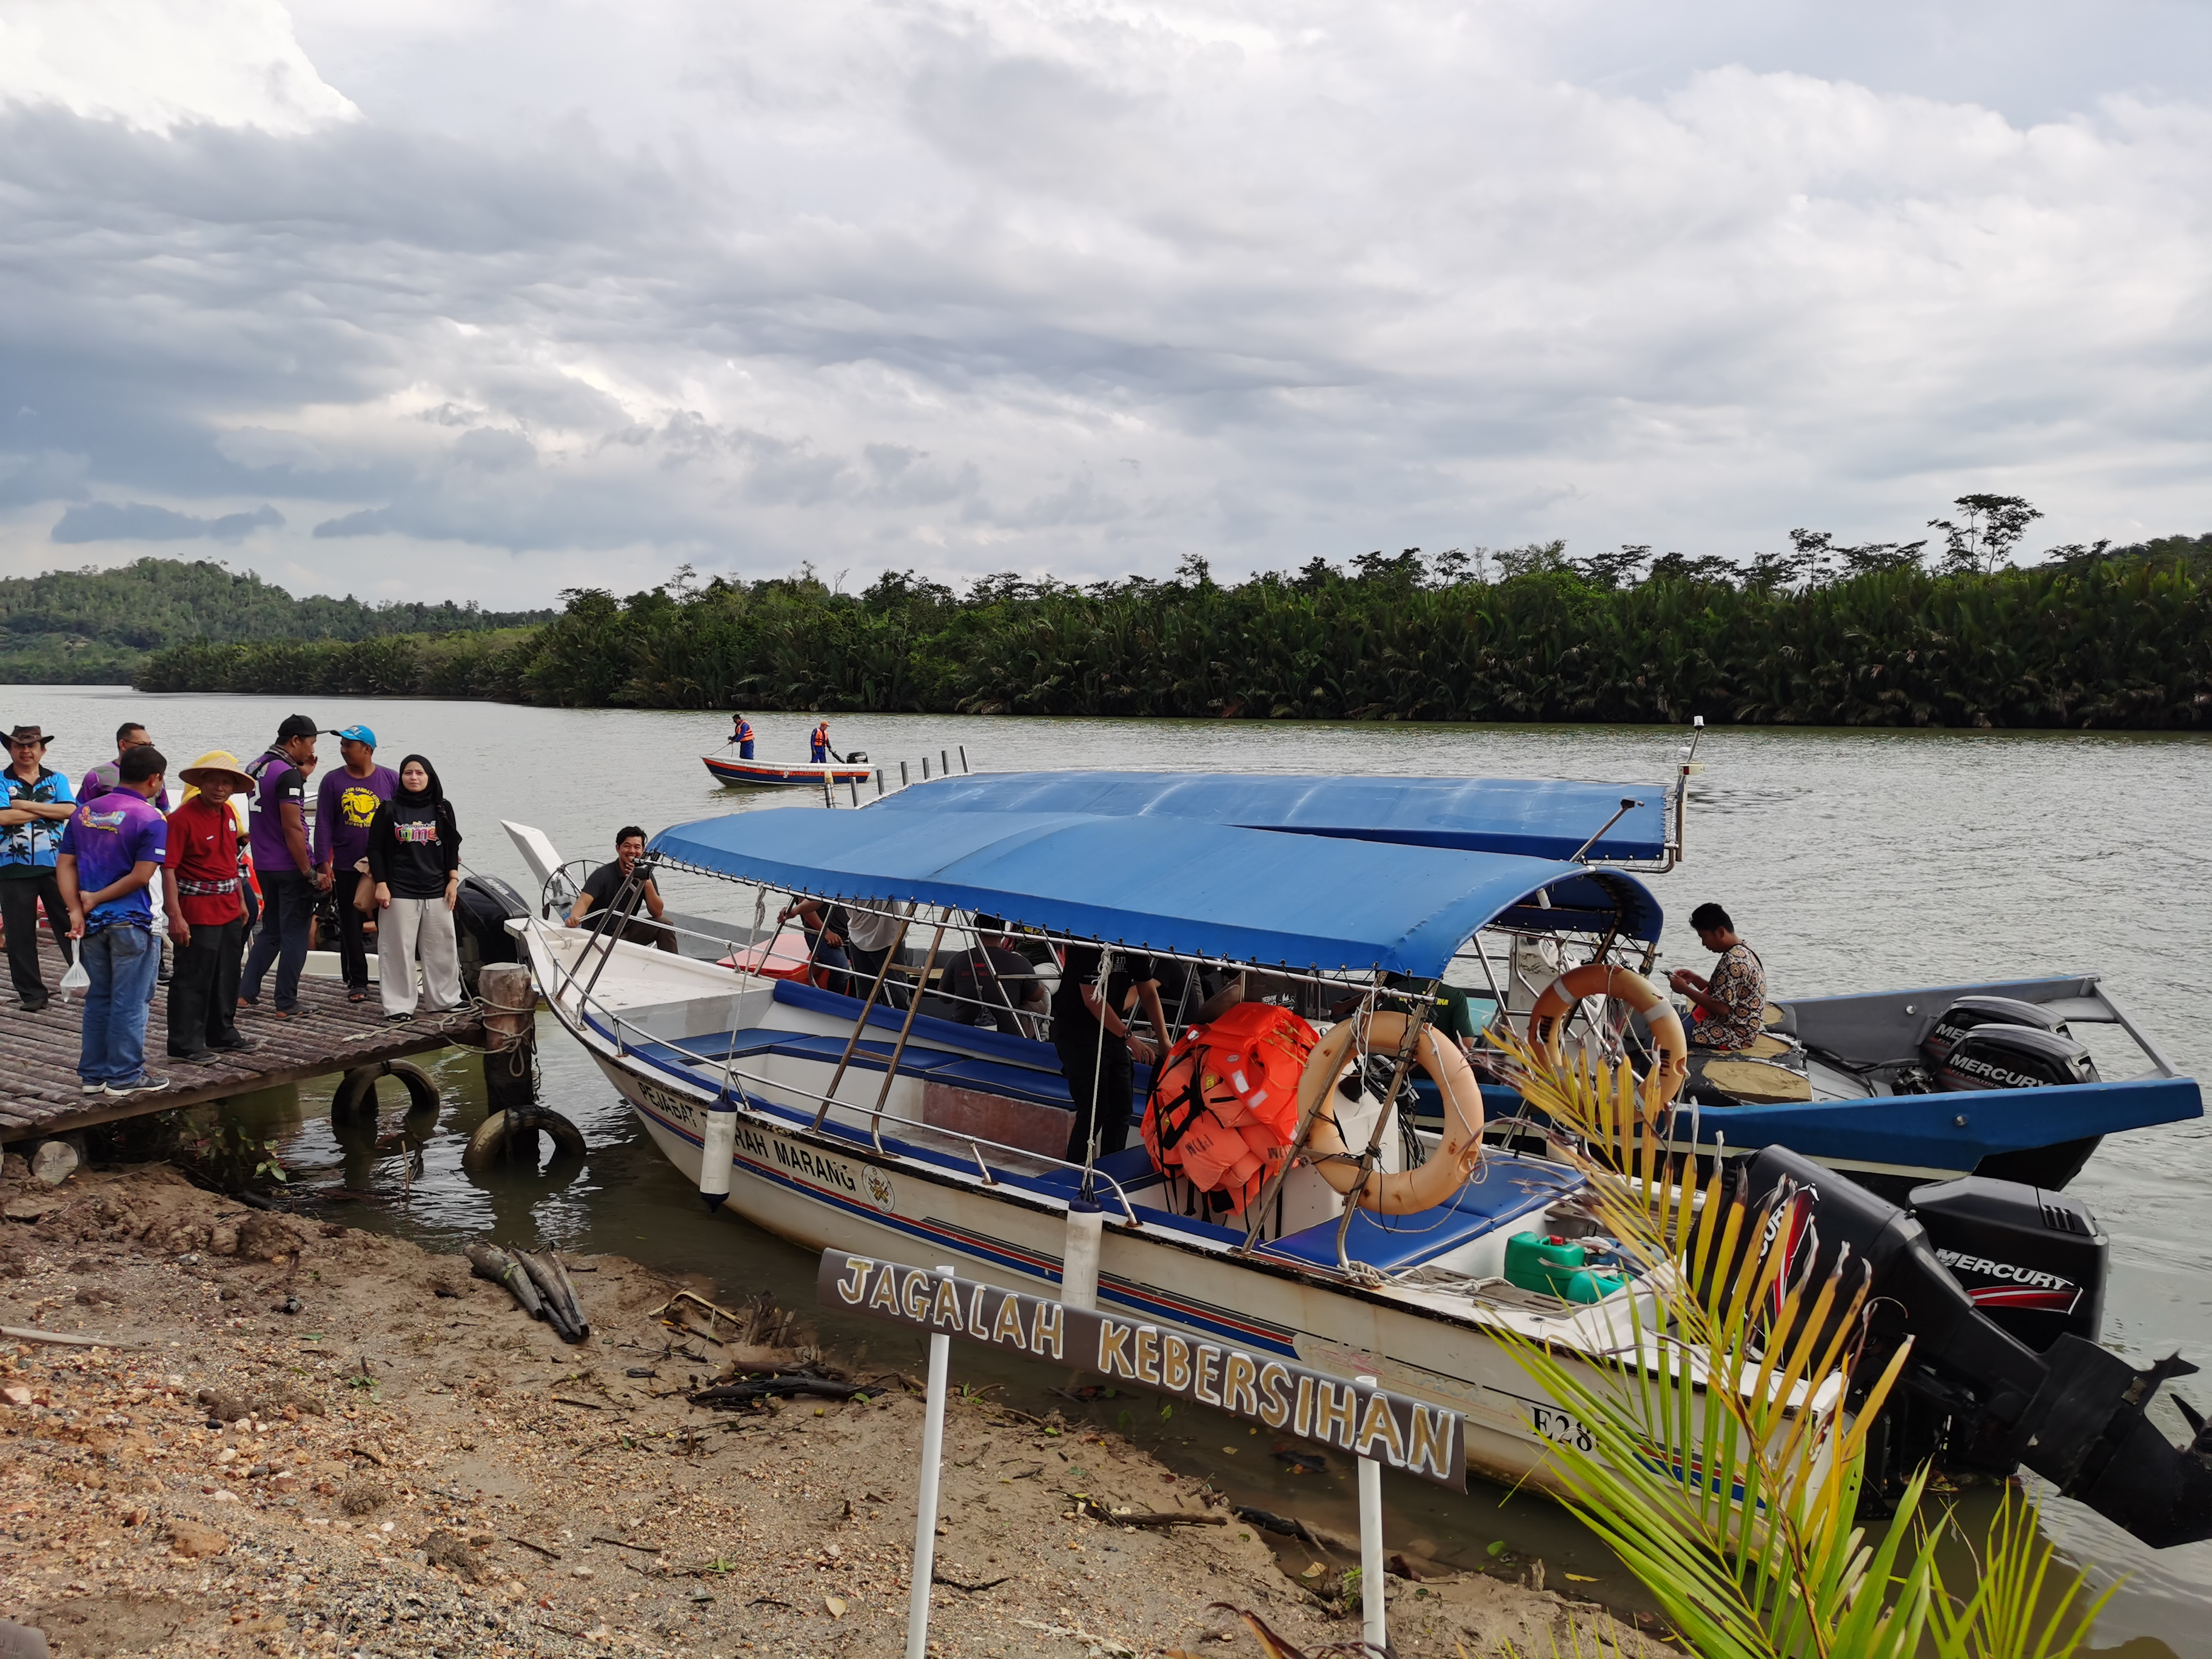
<point>586,1005</point>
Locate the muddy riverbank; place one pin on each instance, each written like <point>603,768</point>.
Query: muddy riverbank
<point>309,1439</point>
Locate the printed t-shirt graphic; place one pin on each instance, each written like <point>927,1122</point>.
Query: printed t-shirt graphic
<point>109,837</point>
<point>344,805</point>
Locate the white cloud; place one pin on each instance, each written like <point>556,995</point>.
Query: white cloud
<point>231,61</point>
<point>1088,288</point>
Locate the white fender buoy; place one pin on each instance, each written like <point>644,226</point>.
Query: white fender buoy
<point>717,1147</point>
<point>1078,1263</point>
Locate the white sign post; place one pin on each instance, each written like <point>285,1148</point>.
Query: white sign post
<point>925,1520</point>
<point>1370,1543</point>
<point>1358,1417</point>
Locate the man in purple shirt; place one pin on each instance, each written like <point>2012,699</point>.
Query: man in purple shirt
<point>345,801</point>
<point>290,881</point>
<point>104,777</point>
<point>110,851</point>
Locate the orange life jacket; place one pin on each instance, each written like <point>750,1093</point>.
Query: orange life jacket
<point>1223,1105</point>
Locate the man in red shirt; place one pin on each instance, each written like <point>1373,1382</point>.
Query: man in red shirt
<point>207,915</point>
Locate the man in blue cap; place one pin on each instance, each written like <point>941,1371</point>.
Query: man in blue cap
<point>345,801</point>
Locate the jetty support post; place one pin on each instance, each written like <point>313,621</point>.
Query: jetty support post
<point>963,757</point>
<point>510,1061</point>
<point>925,1520</point>
<point>1370,1545</point>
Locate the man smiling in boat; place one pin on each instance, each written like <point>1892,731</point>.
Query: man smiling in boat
<point>605,885</point>
<point>1731,1006</point>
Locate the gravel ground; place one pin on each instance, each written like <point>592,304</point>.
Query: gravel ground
<point>407,1465</point>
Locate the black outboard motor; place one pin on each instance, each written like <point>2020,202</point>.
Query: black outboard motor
<point>487,905</point>
<point>1971,1013</point>
<point>2014,1057</point>
<point>1973,1393</point>
<point>2032,1262</point>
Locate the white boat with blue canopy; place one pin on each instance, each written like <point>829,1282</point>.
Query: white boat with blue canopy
<point>1865,1082</point>
<point>889,1125</point>
<point>922,1114</point>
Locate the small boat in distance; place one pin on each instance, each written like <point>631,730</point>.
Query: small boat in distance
<point>729,769</point>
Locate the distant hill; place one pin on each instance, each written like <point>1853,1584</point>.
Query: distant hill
<point>96,627</point>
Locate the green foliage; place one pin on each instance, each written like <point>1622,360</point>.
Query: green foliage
<point>93,626</point>
<point>1822,635</point>
<point>1723,1466</point>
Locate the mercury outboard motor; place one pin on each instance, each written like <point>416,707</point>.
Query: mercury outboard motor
<point>2032,1262</point>
<point>1973,1393</point>
<point>1971,1013</point>
<point>2014,1057</point>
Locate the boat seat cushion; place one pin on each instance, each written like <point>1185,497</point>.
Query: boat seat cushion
<point>1503,1190</point>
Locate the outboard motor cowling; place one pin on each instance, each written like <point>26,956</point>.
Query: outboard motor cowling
<point>1994,1057</point>
<point>2077,1415</point>
<point>1971,1013</point>
<point>2032,1262</point>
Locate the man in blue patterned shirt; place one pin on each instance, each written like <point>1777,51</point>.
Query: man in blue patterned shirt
<point>37,803</point>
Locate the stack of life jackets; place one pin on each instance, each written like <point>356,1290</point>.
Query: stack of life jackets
<point>1223,1108</point>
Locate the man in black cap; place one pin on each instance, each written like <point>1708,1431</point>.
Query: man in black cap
<point>34,803</point>
<point>283,859</point>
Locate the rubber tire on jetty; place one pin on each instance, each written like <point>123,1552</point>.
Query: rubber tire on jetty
<point>490,1141</point>
<point>356,1091</point>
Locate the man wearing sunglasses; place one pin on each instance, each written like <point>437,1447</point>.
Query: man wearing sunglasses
<point>37,803</point>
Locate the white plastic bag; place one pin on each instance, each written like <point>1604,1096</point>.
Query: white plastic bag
<point>77,978</point>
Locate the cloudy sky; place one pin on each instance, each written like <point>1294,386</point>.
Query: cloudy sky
<point>463,298</point>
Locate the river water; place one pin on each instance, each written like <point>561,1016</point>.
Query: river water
<point>1853,861</point>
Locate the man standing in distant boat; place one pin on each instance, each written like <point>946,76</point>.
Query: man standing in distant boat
<point>604,885</point>
<point>741,734</point>
<point>345,805</point>
<point>1730,1008</point>
<point>822,743</point>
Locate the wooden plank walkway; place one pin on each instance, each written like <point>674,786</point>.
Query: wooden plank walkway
<point>40,1094</point>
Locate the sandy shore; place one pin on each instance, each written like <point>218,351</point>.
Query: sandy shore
<point>407,1465</point>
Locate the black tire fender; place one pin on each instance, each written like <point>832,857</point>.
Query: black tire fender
<point>356,1091</point>
<point>488,1142</point>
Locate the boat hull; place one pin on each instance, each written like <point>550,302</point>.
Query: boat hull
<point>790,776</point>
<point>849,1199</point>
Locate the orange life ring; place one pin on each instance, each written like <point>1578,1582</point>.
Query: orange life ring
<point>1599,979</point>
<point>1223,1105</point>
<point>1448,1166</point>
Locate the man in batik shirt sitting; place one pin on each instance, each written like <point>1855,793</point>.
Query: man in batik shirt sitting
<point>1729,1009</point>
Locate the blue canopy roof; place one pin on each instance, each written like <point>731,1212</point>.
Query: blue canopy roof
<point>1170,883</point>
<point>1537,816</point>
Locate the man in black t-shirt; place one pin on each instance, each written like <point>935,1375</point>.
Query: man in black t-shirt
<point>604,887</point>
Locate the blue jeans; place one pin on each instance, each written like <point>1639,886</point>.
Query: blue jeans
<point>122,961</point>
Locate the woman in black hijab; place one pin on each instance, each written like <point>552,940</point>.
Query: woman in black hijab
<point>414,858</point>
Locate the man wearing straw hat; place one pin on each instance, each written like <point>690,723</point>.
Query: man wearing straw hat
<point>206,910</point>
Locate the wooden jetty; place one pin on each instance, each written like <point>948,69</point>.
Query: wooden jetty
<point>40,1094</point>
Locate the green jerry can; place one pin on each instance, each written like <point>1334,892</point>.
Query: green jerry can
<point>1556,1267</point>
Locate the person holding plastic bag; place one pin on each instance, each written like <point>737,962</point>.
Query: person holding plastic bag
<point>415,860</point>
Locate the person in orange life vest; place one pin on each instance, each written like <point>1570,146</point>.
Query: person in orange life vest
<point>206,913</point>
<point>741,734</point>
<point>822,743</point>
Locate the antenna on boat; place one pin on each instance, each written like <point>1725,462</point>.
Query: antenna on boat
<point>1627,806</point>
